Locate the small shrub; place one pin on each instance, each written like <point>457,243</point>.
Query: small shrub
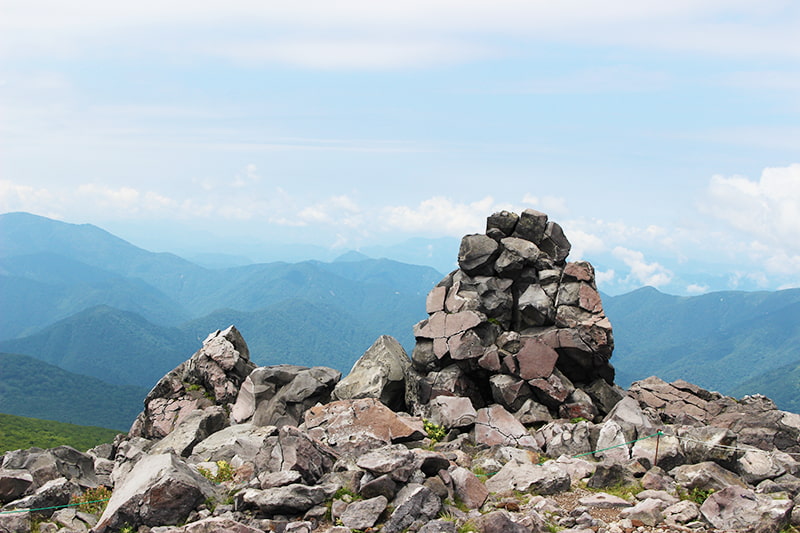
<point>577,419</point>
<point>224,472</point>
<point>435,432</point>
<point>696,494</point>
<point>92,501</point>
<point>468,527</point>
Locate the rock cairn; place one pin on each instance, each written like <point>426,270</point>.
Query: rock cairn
<point>516,325</point>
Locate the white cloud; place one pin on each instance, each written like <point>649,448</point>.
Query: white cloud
<point>696,288</point>
<point>652,274</point>
<point>604,277</point>
<point>552,205</point>
<point>767,211</point>
<point>584,244</point>
<point>441,216</point>
<point>364,34</point>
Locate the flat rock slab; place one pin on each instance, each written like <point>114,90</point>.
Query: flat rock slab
<point>601,500</point>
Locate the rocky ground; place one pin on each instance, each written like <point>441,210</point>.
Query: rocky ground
<point>504,419</point>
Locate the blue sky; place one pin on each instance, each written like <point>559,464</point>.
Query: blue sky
<point>663,136</point>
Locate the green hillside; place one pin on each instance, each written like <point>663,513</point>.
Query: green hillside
<point>30,387</point>
<point>17,432</point>
<point>115,346</point>
<point>782,385</point>
<point>718,340</point>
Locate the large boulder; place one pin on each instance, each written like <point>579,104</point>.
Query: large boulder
<point>741,509</point>
<point>212,376</point>
<point>279,395</point>
<point>160,490</point>
<point>379,373</point>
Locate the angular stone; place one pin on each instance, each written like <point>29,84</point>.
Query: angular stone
<point>295,450</point>
<point>195,427</point>
<point>290,499</point>
<point>414,502</point>
<point>532,412</point>
<point>682,512</point>
<point>13,484</point>
<point>508,391</point>
<point>435,300</point>
<point>242,441</point>
<point>555,243</point>
<point>379,373</point>
<point>611,441</point>
<point>160,489</point>
<point>432,327</point>
<point>551,391</point>
<point>462,321</point>
<point>468,488</point>
<point>499,522</point>
<point>350,425</point>
<point>466,345</point>
<point>707,475</point>
<point>579,271</point>
<point>544,479</point>
<point>757,465</point>
<point>280,394</point>
<point>560,438</point>
<point>531,226</point>
<point>648,512</point>
<point>709,444</point>
<point>536,307</point>
<point>495,425</point>
<point>670,454</point>
<point>477,254</point>
<point>452,412</point>
<point>505,221</point>
<point>363,514</point>
<point>380,486</point>
<point>741,509</point>
<point>536,359</point>
<point>601,500</point>
<point>397,461</point>
<point>516,254</point>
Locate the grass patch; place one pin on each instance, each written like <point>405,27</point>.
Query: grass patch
<point>19,432</point>
<point>92,501</point>
<point>622,490</point>
<point>696,495</point>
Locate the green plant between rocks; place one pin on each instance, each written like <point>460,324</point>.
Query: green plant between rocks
<point>92,501</point>
<point>695,494</point>
<point>623,490</point>
<point>435,432</point>
<point>224,472</point>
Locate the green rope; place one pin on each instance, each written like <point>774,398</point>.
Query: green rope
<point>659,433</point>
<point>56,507</point>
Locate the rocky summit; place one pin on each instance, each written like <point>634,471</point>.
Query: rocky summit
<point>504,419</point>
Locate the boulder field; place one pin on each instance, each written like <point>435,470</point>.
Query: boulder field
<point>505,418</point>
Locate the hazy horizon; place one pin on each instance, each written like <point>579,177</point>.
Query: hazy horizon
<point>664,138</point>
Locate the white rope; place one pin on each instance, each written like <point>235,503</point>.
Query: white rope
<point>736,448</point>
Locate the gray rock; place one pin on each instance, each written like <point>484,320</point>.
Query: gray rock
<point>670,453</point>
<point>601,500</point>
<point>646,511</point>
<point>13,484</point>
<point>395,460</point>
<point>160,489</point>
<point>53,493</point>
<point>468,488</point>
<point>743,510</point>
<point>477,254</point>
<point>555,243</point>
<point>439,526</point>
<point>452,412</point>
<point>499,522</point>
<point>508,391</point>
<point>15,522</point>
<point>412,503</point>
<point>548,478</point>
<point>211,376</point>
<point>294,450</point>
<point>195,426</point>
<point>279,395</point>
<point>536,308</point>
<point>705,476</point>
<point>532,412</point>
<point>531,226</point>
<point>495,425</point>
<point>290,499</point>
<point>612,441</point>
<point>757,465</point>
<point>709,443</point>
<point>363,514</point>
<point>682,512</point>
<point>379,373</point>
<point>241,440</point>
<point>564,438</point>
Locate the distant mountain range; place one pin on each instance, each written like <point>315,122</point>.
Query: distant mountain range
<point>79,298</point>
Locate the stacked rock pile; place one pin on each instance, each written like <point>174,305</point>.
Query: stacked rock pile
<point>518,326</point>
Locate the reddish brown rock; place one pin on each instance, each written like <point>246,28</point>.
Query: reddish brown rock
<point>536,359</point>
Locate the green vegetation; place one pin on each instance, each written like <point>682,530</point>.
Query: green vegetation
<point>696,494</point>
<point>93,501</point>
<point>18,432</point>
<point>224,472</point>
<point>782,385</point>
<point>577,419</point>
<point>435,432</point>
<point>621,490</point>
<point>30,387</point>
